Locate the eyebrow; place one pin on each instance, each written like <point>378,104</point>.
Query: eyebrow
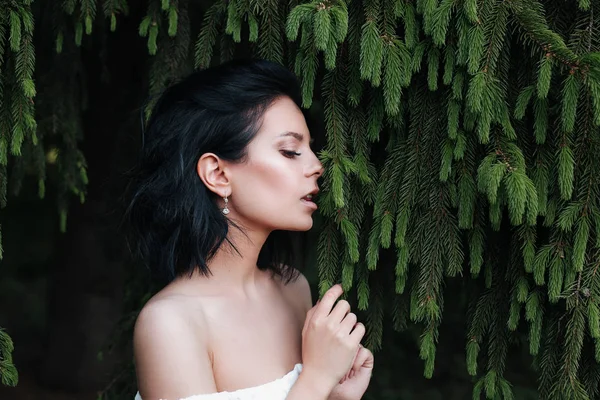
<point>298,136</point>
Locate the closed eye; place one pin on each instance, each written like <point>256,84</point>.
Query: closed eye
<point>290,154</point>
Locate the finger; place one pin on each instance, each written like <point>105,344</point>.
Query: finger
<point>361,360</point>
<point>326,304</point>
<point>370,361</point>
<point>347,376</point>
<point>348,323</point>
<point>339,312</point>
<point>351,371</point>
<point>358,333</point>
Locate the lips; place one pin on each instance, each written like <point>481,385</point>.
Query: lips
<point>308,197</point>
<point>311,195</point>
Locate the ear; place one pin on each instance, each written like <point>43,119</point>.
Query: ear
<point>213,173</point>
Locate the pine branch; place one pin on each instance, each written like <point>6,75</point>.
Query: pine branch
<point>8,372</point>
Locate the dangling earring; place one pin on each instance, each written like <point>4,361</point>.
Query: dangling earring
<point>225,210</point>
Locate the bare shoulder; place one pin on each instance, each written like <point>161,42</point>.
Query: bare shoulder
<point>298,291</point>
<point>171,350</point>
<point>164,315</point>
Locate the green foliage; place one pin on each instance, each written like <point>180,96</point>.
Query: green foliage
<point>8,372</point>
<point>460,136</point>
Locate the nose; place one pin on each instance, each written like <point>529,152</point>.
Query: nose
<point>321,170</point>
<point>315,168</point>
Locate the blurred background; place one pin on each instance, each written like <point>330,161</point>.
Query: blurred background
<point>68,301</point>
<point>69,290</point>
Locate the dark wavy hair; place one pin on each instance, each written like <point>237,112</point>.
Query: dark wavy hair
<point>174,223</point>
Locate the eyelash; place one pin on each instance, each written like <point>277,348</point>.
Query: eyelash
<point>290,154</point>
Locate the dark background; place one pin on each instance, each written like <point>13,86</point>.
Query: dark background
<point>68,299</point>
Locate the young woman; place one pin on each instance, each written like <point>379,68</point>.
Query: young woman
<point>226,170</point>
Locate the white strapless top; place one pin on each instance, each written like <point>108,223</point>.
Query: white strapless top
<point>275,390</point>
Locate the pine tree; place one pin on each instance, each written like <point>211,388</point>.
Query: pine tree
<point>462,143</point>
<point>8,373</point>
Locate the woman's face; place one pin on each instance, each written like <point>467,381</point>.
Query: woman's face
<point>269,191</point>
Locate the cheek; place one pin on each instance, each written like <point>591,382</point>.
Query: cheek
<point>265,186</point>
<point>269,194</point>
<point>272,174</point>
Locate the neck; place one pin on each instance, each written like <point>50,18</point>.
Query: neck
<point>236,268</point>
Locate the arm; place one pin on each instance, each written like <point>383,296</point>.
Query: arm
<point>171,355</point>
<point>349,390</point>
<point>308,385</point>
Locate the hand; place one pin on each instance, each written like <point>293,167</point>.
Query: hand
<point>355,383</point>
<point>330,340</point>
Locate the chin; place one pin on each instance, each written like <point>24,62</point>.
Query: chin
<point>307,227</point>
<point>300,226</point>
